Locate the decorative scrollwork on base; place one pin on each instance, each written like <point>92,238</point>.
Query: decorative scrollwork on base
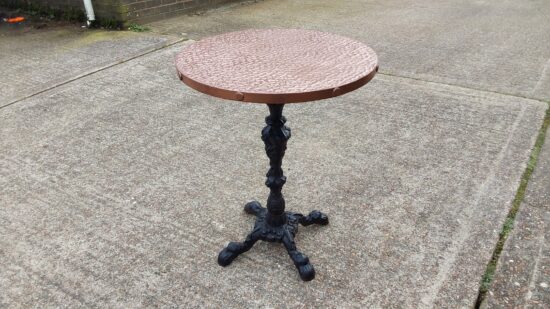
<point>284,233</point>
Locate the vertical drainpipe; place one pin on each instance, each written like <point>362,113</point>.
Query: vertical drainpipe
<point>89,11</point>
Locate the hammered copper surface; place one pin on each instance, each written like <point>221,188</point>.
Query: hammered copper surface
<point>276,65</point>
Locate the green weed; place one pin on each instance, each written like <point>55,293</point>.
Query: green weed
<point>137,28</point>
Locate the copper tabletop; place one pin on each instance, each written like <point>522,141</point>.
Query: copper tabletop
<point>276,66</point>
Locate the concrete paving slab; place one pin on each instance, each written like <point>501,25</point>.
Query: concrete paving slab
<point>34,60</point>
<point>497,45</point>
<point>120,188</point>
<point>522,279</point>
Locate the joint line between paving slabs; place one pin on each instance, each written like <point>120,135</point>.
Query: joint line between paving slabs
<point>487,279</point>
<point>460,86</point>
<point>95,71</point>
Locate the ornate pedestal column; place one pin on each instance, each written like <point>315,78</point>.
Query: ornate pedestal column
<point>274,224</point>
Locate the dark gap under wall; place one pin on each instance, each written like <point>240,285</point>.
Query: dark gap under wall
<point>114,13</point>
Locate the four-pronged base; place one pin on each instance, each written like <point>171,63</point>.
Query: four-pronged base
<point>283,233</point>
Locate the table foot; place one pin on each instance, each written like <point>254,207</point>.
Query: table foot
<point>284,233</point>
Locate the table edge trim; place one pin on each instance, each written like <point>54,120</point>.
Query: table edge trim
<point>277,98</point>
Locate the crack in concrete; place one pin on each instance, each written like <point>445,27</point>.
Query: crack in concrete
<point>541,78</point>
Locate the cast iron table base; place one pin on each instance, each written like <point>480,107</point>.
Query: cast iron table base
<point>274,224</point>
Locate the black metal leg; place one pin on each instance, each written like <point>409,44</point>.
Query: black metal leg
<point>233,249</point>
<point>254,208</point>
<point>305,269</point>
<point>314,217</point>
<point>273,223</point>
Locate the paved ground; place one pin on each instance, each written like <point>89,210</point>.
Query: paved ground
<point>35,60</point>
<point>119,187</point>
<point>523,276</point>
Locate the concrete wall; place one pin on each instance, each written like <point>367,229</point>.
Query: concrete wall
<point>124,11</point>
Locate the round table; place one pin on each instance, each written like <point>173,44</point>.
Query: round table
<point>276,67</point>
